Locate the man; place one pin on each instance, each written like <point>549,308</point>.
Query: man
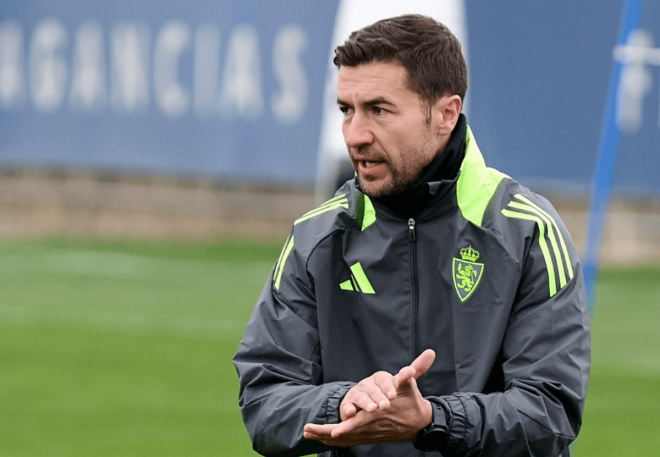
<point>433,303</point>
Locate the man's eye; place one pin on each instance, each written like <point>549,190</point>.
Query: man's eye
<point>379,111</point>
<point>344,109</point>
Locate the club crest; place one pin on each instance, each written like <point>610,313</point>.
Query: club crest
<point>467,272</point>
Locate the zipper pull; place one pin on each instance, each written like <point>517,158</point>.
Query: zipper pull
<point>411,228</point>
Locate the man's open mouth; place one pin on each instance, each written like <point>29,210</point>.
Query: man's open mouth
<point>369,163</point>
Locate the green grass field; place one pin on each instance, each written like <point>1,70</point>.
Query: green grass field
<point>124,349</point>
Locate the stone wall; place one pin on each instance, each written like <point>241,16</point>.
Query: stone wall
<point>35,203</point>
<point>632,228</point>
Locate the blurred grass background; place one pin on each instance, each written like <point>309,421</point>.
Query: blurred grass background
<point>123,348</point>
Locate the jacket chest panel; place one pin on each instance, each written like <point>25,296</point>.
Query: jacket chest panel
<point>467,286</point>
<point>383,297</point>
<point>362,303</point>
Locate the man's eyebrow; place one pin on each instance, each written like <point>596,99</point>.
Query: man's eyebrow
<point>378,101</point>
<point>373,102</point>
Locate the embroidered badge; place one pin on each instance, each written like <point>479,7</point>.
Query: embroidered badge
<point>467,272</point>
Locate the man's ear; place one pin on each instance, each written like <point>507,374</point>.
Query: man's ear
<point>445,113</point>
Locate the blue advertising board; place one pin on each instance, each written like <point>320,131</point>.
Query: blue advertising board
<point>223,88</point>
<point>539,83</point>
<point>638,105</point>
<point>235,88</point>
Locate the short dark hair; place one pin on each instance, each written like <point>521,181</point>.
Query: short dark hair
<point>426,48</point>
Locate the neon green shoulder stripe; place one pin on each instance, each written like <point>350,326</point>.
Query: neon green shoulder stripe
<point>477,183</point>
<point>526,209</point>
<point>542,213</point>
<point>279,268</point>
<point>551,235</point>
<point>552,285</point>
<point>340,201</point>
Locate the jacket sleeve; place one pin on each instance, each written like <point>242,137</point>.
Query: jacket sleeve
<point>544,363</point>
<point>278,363</point>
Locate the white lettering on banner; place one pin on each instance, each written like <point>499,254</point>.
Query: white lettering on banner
<point>635,81</point>
<point>172,99</point>
<point>12,89</point>
<point>117,72</point>
<point>48,71</point>
<point>130,78</point>
<point>207,52</point>
<point>241,90</point>
<point>289,105</point>
<point>88,86</point>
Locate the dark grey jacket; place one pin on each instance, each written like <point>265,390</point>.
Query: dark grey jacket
<point>487,276</point>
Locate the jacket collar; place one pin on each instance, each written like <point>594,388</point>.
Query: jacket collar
<point>442,171</point>
<point>471,190</point>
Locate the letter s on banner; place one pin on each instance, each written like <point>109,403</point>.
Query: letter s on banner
<point>289,104</point>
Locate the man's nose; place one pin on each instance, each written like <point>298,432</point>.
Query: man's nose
<point>357,131</point>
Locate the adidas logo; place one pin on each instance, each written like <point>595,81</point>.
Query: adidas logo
<point>358,281</point>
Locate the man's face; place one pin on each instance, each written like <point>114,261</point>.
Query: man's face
<point>385,129</point>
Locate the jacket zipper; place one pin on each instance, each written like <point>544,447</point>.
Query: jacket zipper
<point>415,286</point>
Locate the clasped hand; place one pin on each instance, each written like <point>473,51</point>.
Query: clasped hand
<point>380,408</point>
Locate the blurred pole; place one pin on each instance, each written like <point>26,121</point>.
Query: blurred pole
<point>607,152</point>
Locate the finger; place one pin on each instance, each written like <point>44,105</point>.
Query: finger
<point>349,425</point>
<point>347,410</point>
<point>385,383</point>
<point>422,363</point>
<point>408,386</point>
<point>380,390</point>
<point>316,431</point>
<point>360,399</point>
<point>403,375</point>
<point>323,439</point>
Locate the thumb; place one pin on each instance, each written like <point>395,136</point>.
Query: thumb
<point>422,363</point>
<point>407,387</point>
<point>418,367</point>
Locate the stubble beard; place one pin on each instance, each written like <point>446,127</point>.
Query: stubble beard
<point>396,185</point>
<point>401,180</point>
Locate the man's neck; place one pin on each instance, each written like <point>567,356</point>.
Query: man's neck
<point>445,166</point>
